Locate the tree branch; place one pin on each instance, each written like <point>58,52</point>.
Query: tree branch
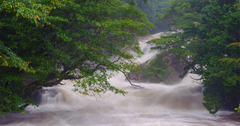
<point>195,79</point>
<point>129,80</point>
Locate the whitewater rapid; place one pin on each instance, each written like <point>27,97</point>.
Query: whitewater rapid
<point>153,105</point>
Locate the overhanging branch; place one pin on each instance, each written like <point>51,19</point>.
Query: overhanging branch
<point>129,80</point>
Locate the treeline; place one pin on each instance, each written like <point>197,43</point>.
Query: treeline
<point>43,42</point>
<point>207,41</point>
<point>152,9</point>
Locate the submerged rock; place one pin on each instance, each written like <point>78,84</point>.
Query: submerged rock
<point>234,116</point>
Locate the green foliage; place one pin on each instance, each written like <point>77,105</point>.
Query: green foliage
<point>158,70</point>
<point>152,9</point>
<point>12,97</point>
<point>232,60</point>
<point>45,41</point>
<point>213,100</point>
<point>208,28</point>
<point>238,109</point>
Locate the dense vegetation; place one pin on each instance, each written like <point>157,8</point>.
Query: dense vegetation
<point>157,71</point>
<point>164,68</point>
<point>153,9</point>
<point>208,42</point>
<point>45,41</point>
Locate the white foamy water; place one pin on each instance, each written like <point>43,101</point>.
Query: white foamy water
<point>152,105</point>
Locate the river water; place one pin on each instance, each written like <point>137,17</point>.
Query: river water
<point>153,105</point>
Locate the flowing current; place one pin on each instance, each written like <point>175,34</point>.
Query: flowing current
<point>153,105</point>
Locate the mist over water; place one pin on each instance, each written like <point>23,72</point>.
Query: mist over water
<point>153,105</point>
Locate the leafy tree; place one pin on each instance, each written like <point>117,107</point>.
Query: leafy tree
<point>14,18</point>
<point>221,79</point>
<point>46,41</point>
<point>207,28</point>
<point>152,9</point>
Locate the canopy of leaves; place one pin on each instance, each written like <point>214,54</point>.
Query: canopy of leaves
<point>207,31</point>
<point>45,41</point>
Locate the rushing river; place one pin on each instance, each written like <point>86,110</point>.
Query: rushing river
<point>152,105</point>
